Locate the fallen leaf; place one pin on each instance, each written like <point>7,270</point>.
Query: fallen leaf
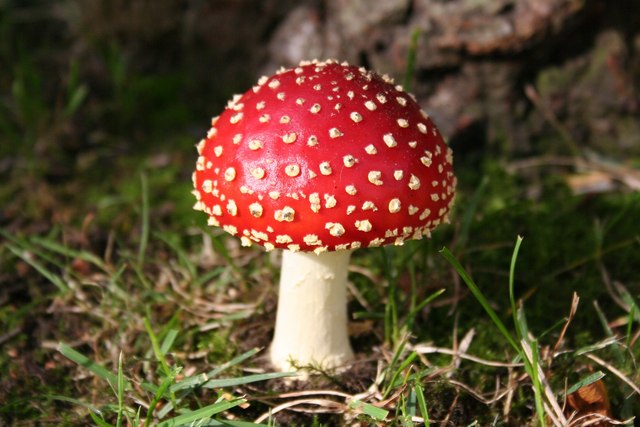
<point>590,399</point>
<point>589,183</point>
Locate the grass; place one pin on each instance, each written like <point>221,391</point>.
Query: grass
<point>165,318</point>
<point>119,306</point>
<point>163,322</point>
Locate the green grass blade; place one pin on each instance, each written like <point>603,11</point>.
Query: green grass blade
<point>469,213</point>
<point>113,285</point>
<point>480,297</point>
<point>159,394</point>
<point>27,246</point>
<point>417,376</point>
<point>396,356</point>
<point>137,269</point>
<point>168,341</point>
<point>628,299</point>
<point>522,331</point>
<point>120,391</point>
<point>156,348</point>
<point>136,421</point>
<point>391,329</point>
<point>522,328</point>
<point>76,98</point>
<point>99,421</point>
<point>630,319</point>
<point>596,376</point>
<point>76,91</point>
<point>232,382</point>
<point>221,249</point>
<point>195,417</point>
<point>205,277</point>
<point>407,81</point>
<point>378,414</point>
<point>228,423</point>
<point>394,378</point>
<point>197,380</point>
<point>68,252</point>
<point>168,372</point>
<point>607,342</point>
<point>603,320</point>
<point>55,279</point>
<point>411,405</point>
<point>424,303</point>
<point>512,299</point>
<point>422,403</point>
<point>617,352</point>
<point>233,362</point>
<point>169,240</point>
<point>537,384</point>
<point>93,409</point>
<point>410,268</point>
<point>190,382</point>
<point>92,366</point>
<point>361,315</point>
<point>144,234</point>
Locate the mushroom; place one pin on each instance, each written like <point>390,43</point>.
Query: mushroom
<point>320,160</point>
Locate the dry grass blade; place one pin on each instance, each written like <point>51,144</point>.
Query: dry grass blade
<point>606,279</point>
<point>464,345</point>
<point>598,419</point>
<point>549,412</point>
<point>306,393</point>
<point>572,312</point>
<point>478,396</point>
<point>325,406</point>
<point>427,349</point>
<point>511,388</point>
<point>358,403</point>
<point>353,290</point>
<point>540,161</point>
<point>604,170</point>
<point>552,407</point>
<point>626,175</point>
<point>588,175</point>
<point>615,372</point>
<point>550,117</point>
<point>9,335</point>
<point>454,403</point>
<point>634,339</point>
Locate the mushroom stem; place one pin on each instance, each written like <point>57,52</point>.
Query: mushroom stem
<point>311,324</point>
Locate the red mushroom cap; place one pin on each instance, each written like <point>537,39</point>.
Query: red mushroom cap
<point>325,156</point>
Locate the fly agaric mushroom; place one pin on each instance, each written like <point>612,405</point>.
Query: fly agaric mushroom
<point>320,160</point>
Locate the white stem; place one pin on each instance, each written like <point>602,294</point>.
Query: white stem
<point>311,324</point>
